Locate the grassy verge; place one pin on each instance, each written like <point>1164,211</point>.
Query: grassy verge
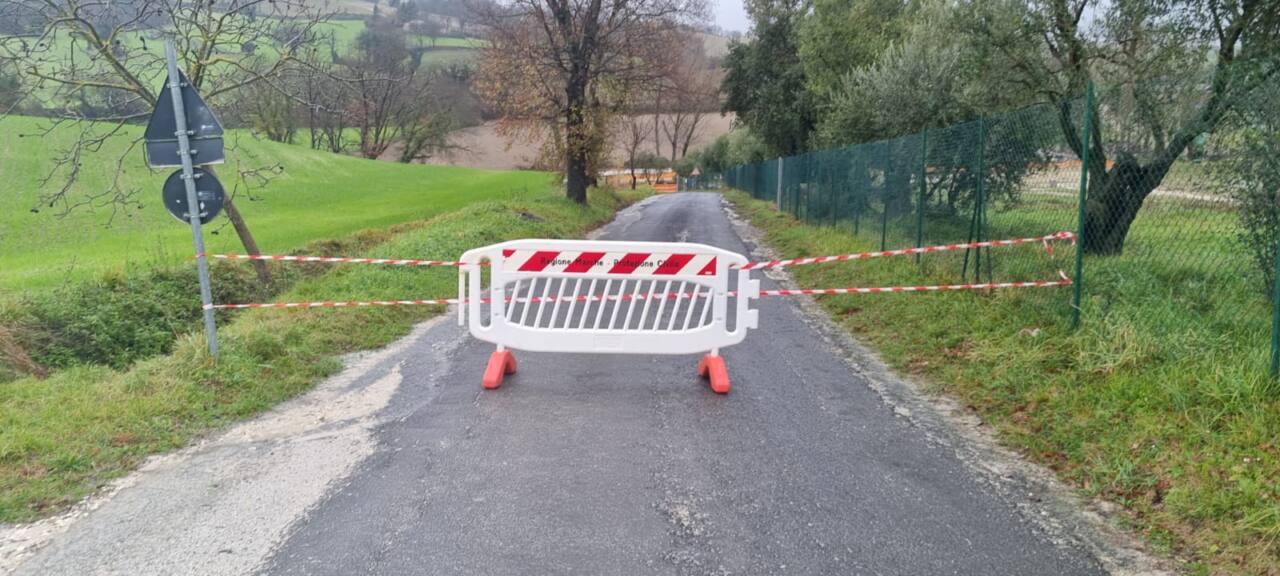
<point>64,436</point>
<point>1161,401</point>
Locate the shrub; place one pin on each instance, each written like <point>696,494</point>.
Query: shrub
<point>122,318</point>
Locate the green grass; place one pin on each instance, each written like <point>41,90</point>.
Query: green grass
<point>445,56</point>
<point>1160,402</point>
<point>345,33</point>
<point>62,437</point>
<point>62,49</point>
<point>318,195</point>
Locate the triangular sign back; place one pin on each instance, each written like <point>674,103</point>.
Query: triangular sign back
<point>161,135</point>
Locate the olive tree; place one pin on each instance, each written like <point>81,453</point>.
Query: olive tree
<point>1174,68</point>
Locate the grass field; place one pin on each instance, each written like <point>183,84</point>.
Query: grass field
<point>440,50</point>
<point>318,195</point>
<point>64,436</point>
<point>1160,402</point>
<point>345,33</point>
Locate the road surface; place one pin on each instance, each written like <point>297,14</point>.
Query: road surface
<point>579,464</point>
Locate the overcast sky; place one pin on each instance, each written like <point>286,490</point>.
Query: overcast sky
<point>730,15</point>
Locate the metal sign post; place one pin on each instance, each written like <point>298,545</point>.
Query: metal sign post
<point>193,202</point>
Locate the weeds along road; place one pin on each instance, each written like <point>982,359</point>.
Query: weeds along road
<point>579,464</point>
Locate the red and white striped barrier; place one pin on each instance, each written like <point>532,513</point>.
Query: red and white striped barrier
<point>611,263</point>
<point>629,297</point>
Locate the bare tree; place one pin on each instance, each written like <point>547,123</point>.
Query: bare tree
<point>694,91</point>
<point>97,66</point>
<point>269,111</point>
<point>565,66</point>
<point>444,104</point>
<point>632,134</point>
<point>325,96</point>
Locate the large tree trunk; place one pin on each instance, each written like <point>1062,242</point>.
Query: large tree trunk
<point>576,180</point>
<point>577,138</point>
<point>1114,201</point>
<point>1116,195</point>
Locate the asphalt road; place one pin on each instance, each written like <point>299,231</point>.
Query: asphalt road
<point>579,464</point>
<point>618,464</point>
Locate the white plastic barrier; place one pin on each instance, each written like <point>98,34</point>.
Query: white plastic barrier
<point>606,297</point>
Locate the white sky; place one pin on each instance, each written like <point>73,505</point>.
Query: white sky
<point>729,15</point>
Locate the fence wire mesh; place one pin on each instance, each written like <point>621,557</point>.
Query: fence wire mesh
<point>1179,226</point>
<point>1007,177</point>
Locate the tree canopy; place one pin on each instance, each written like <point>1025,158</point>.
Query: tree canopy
<point>834,72</point>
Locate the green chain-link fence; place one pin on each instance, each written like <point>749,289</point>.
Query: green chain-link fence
<point>701,182</point>
<point>1183,223</point>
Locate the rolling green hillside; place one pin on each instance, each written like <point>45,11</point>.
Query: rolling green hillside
<point>318,195</point>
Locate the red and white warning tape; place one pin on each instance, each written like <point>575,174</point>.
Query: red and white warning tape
<point>333,304</point>
<point>1065,281</point>
<point>662,264</point>
<point>907,251</point>
<point>335,260</point>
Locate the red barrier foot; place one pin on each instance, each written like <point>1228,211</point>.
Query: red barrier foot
<point>712,368</point>
<point>501,363</point>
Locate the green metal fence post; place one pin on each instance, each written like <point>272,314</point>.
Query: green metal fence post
<point>884,203</point>
<point>924,190</point>
<point>884,218</point>
<point>833,184</point>
<point>859,199</point>
<point>778,183</point>
<point>857,210</point>
<point>977,221</point>
<point>833,203</point>
<point>1078,280</point>
<point>982,200</point>
<point>795,194</point>
<point>1275,318</point>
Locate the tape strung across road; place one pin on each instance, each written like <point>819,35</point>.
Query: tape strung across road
<point>1064,281</point>
<point>334,259</point>
<point>1045,240</point>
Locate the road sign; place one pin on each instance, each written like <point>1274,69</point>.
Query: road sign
<point>204,130</point>
<point>173,141</point>
<point>209,194</point>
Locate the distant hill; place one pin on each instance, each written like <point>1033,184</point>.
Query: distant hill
<point>717,46</point>
<point>483,147</point>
